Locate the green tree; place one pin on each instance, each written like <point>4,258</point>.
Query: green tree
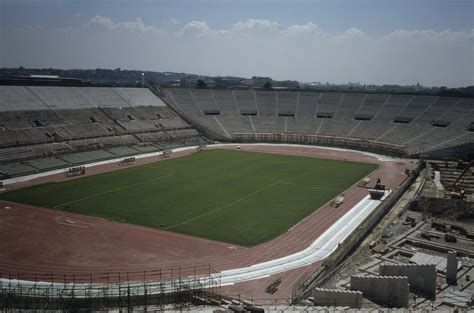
<point>201,84</point>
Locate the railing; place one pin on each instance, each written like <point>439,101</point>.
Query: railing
<point>105,290</point>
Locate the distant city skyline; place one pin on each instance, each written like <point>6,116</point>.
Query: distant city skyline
<point>430,42</point>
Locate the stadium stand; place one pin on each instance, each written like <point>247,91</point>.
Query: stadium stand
<point>15,169</point>
<point>87,157</point>
<point>287,103</point>
<point>405,124</point>
<point>123,151</point>
<point>227,103</point>
<point>19,98</point>
<point>49,127</point>
<point>266,102</point>
<point>145,148</point>
<point>47,163</point>
<point>246,102</point>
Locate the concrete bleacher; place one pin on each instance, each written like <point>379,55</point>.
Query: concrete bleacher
<point>39,124</point>
<point>372,105</point>
<point>123,151</point>
<point>437,110</point>
<point>329,104</point>
<point>350,105</point>
<point>227,102</point>
<point>392,107</point>
<point>303,125</point>
<point>29,119</point>
<point>39,151</point>
<point>265,124</point>
<point>15,169</point>
<point>204,99</point>
<point>19,98</point>
<point>139,97</point>
<point>238,124</point>
<point>47,163</point>
<point>246,101</point>
<point>155,137</point>
<point>457,112</point>
<point>338,127</point>
<point>372,130</point>
<point>8,154</point>
<point>154,113</point>
<point>103,97</point>
<point>87,157</point>
<point>61,97</point>
<point>307,104</point>
<point>266,103</point>
<point>82,131</point>
<point>183,99</point>
<point>10,138</point>
<point>411,123</point>
<point>32,163</point>
<point>417,106</point>
<point>402,133</point>
<point>145,148</point>
<point>287,103</point>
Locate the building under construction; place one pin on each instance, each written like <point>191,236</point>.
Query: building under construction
<point>171,287</point>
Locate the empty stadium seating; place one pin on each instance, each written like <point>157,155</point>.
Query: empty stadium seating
<point>46,127</point>
<point>50,127</point>
<point>411,124</point>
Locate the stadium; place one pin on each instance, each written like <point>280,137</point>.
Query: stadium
<point>121,197</point>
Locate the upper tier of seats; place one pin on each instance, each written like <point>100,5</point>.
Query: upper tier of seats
<point>414,124</point>
<point>33,98</point>
<point>38,122</point>
<point>45,126</point>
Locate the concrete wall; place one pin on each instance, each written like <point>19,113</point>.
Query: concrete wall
<point>336,297</point>
<point>422,278</point>
<point>391,291</point>
<point>452,268</point>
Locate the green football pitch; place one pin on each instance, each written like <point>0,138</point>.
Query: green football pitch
<point>244,198</point>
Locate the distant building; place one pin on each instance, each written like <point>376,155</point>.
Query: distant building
<point>259,81</point>
<point>42,80</point>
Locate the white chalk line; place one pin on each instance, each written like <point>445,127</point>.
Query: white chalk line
<point>241,199</point>
<point>225,206</point>
<point>171,172</point>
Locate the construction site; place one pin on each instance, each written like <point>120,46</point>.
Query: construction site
<point>419,257</point>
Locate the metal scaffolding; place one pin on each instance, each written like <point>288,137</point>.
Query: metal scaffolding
<point>178,287</point>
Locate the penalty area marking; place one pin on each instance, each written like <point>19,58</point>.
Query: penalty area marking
<point>239,200</point>
<point>171,173</point>
<point>226,205</point>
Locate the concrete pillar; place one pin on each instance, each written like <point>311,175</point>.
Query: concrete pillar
<point>452,268</point>
<point>392,291</point>
<point>336,297</point>
<point>422,278</point>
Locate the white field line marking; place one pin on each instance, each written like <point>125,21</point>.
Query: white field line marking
<point>118,189</point>
<point>227,205</point>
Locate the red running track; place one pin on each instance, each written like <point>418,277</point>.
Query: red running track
<point>44,241</point>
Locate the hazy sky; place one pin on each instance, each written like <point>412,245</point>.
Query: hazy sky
<point>367,41</point>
